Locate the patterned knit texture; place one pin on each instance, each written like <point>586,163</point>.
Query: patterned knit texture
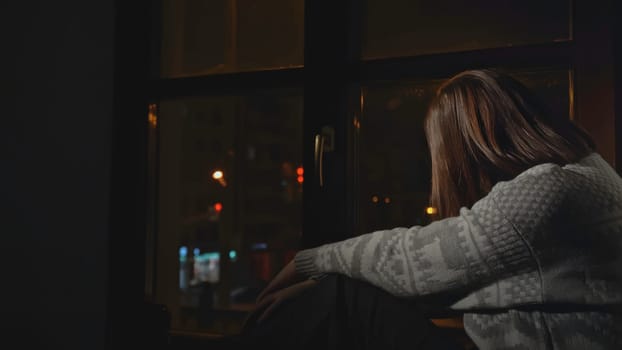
<point>536,264</point>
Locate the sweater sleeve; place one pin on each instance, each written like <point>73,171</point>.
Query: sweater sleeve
<point>478,246</point>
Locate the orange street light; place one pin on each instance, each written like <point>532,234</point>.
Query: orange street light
<point>220,177</point>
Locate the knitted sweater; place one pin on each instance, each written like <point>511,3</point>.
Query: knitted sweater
<point>535,264</point>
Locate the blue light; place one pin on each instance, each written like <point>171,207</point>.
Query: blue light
<point>232,254</point>
<point>196,251</point>
<point>207,256</point>
<point>259,246</point>
<point>183,251</point>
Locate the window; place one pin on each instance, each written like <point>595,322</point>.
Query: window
<point>404,27</point>
<point>230,203</point>
<point>243,89</point>
<point>221,36</point>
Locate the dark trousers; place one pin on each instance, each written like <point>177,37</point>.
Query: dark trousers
<point>343,313</point>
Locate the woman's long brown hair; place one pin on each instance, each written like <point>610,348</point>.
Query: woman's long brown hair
<point>483,127</point>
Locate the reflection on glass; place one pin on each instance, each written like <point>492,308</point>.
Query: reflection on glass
<point>415,27</point>
<point>220,36</point>
<point>554,87</point>
<point>394,164</point>
<point>229,203</point>
<point>394,169</point>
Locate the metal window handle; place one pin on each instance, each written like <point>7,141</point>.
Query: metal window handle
<point>324,142</point>
<point>319,158</point>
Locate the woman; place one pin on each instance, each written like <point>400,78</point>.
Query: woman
<point>529,245</point>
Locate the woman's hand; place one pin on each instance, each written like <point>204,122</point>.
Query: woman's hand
<point>284,278</point>
<point>285,285</point>
<point>271,301</point>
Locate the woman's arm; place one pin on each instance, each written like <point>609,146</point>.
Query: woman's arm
<point>483,244</point>
<point>476,247</point>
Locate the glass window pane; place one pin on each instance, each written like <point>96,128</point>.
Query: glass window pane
<point>394,166</point>
<point>230,203</point>
<point>415,27</point>
<point>220,36</point>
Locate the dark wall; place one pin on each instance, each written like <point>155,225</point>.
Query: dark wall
<point>56,109</point>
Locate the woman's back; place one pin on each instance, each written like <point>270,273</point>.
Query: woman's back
<point>568,297</point>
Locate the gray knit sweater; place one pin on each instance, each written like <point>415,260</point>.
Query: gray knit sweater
<point>535,264</point>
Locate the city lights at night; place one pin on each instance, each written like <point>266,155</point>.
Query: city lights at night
<point>219,176</point>
<point>218,207</point>
<point>431,210</point>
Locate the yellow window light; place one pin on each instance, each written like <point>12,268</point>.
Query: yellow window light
<point>431,210</point>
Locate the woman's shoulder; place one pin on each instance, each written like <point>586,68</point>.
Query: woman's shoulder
<point>542,190</point>
<point>535,176</point>
<point>548,177</point>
